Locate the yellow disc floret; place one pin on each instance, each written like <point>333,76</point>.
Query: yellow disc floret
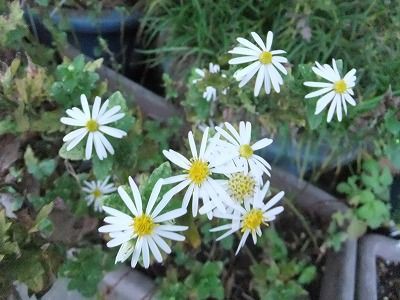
<point>265,57</point>
<point>245,151</point>
<point>143,225</point>
<point>241,186</point>
<point>97,193</point>
<point>340,86</point>
<point>92,125</point>
<point>252,220</point>
<point>198,171</point>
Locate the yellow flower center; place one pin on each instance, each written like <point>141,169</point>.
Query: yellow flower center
<point>198,171</point>
<point>143,225</point>
<point>245,151</point>
<point>241,186</point>
<point>92,125</point>
<point>265,57</point>
<point>340,86</point>
<point>252,220</point>
<point>97,193</point>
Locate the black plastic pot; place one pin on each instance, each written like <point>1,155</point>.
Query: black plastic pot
<point>116,28</point>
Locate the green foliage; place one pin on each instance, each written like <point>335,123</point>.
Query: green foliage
<point>7,246</point>
<point>86,269</point>
<point>280,277</point>
<point>308,30</point>
<point>202,283</point>
<point>368,195</point>
<point>73,78</point>
<point>39,169</point>
<point>12,25</point>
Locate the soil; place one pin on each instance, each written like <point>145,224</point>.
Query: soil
<point>388,280</point>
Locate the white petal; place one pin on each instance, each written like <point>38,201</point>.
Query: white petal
<point>250,68</point>
<point>136,253</point>
<point>245,51</point>
<point>168,227</point>
<point>203,143</point>
<point>114,227</point>
<point>146,254</point>
<point>261,144</point>
<point>273,212</point>
<point>136,195</point>
<point>318,92</point>
<point>192,145</point>
<point>247,44</point>
<point>74,134</point>
<point>259,81</point>
<point>177,158</point>
<point>176,213</point>
<point>119,240</point>
<point>115,212</point>
<point>85,106</point>
<point>71,144</point>
<point>111,119</point>
<point>170,235</point>
<point>324,101</point>
<point>331,111</point>
<point>270,38</point>
<point>249,75</point>
<point>349,99</point>
<point>89,146</point>
<point>338,101</point>
<point>161,243</point>
<point>242,241</point>
<point>154,195</point>
<point>280,67</point>
<point>317,84</point>
<point>258,40</point>
<point>127,200</point>
<point>273,200</point>
<point>112,111</point>
<point>72,122</point>
<point>106,143</point>
<point>242,60</point>
<point>96,107</point>
<point>154,249</point>
<point>104,107</point>
<point>98,145</point>
<point>114,132</point>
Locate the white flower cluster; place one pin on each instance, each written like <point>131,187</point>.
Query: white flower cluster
<point>210,92</point>
<point>268,65</point>
<point>224,178</point>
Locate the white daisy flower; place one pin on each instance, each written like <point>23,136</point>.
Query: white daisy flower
<point>210,92</point>
<point>96,191</point>
<point>197,176</point>
<point>248,219</point>
<point>93,124</point>
<point>241,187</point>
<point>145,231</point>
<point>242,152</point>
<point>338,91</point>
<point>265,61</point>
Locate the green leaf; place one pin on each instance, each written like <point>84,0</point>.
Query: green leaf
<point>126,123</point>
<point>163,171</point>
<point>87,269</point>
<point>41,221</point>
<point>307,275</point>
<point>102,168</point>
<point>76,153</point>
<point>39,170</point>
<point>356,228</point>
